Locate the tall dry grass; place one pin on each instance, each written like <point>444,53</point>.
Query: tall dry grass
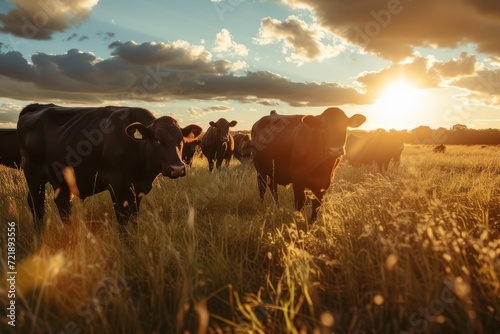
<point>413,250</point>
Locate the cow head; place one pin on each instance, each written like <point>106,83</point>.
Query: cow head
<point>165,138</point>
<point>222,126</point>
<point>246,146</point>
<point>333,124</point>
<point>188,151</point>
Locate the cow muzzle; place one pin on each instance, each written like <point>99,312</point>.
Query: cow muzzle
<point>174,172</point>
<point>336,151</point>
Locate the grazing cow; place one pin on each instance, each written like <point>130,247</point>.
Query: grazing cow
<point>83,151</point>
<point>439,149</point>
<point>302,150</point>
<point>9,148</point>
<point>242,147</point>
<point>217,143</point>
<point>188,151</point>
<point>380,148</point>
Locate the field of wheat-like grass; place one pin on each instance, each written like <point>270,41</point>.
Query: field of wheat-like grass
<point>415,250</point>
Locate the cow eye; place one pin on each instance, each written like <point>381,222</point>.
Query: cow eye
<point>157,141</point>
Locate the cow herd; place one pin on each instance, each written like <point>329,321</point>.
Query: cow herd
<point>84,151</point>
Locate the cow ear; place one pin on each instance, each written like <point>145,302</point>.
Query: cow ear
<point>311,121</point>
<point>212,124</point>
<point>138,131</point>
<point>232,123</point>
<point>356,120</point>
<point>192,129</point>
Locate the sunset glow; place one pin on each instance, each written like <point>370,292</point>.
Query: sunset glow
<point>400,104</point>
<point>267,166</point>
<point>241,59</point>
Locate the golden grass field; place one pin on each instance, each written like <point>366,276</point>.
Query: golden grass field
<point>415,250</point>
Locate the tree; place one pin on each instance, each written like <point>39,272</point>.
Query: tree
<point>458,127</point>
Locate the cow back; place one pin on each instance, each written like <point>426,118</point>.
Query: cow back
<point>379,148</point>
<point>91,140</point>
<point>272,144</point>
<point>242,146</point>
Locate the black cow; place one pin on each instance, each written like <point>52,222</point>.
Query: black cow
<point>217,143</point>
<point>83,151</point>
<point>380,148</point>
<point>302,150</point>
<point>9,148</point>
<point>439,148</point>
<point>242,147</point>
<point>188,151</point>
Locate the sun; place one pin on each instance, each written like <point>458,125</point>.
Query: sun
<point>399,104</point>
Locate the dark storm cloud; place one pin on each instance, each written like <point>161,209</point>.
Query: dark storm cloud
<point>393,28</point>
<point>155,72</point>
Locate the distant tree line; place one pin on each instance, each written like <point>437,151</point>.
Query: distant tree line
<point>458,134</point>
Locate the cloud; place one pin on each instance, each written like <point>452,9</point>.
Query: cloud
<point>74,36</point>
<point>9,113</point>
<point>12,64</point>
<point>416,72</point>
<point>304,41</point>
<point>196,112</point>
<point>264,86</point>
<point>462,66</point>
<point>178,55</point>
<point>478,83</point>
<point>238,65</point>
<point>106,35</point>
<point>483,86</point>
<point>155,72</point>
<point>40,19</point>
<point>393,28</point>
<point>226,47</point>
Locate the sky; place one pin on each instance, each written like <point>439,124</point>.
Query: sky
<point>401,63</point>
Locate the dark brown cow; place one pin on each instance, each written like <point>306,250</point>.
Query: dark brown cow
<point>380,148</point>
<point>439,148</point>
<point>242,147</point>
<point>217,143</point>
<point>188,151</point>
<point>88,150</point>
<point>302,150</point>
<point>9,148</point>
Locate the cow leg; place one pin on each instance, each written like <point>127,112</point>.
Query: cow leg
<point>380,166</point>
<point>261,182</point>
<point>63,203</point>
<point>386,165</point>
<point>299,195</point>
<point>36,196</point>
<point>397,161</point>
<point>316,202</point>
<point>126,206</point>
<point>315,205</point>
<point>218,163</point>
<point>210,164</point>
<point>274,189</point>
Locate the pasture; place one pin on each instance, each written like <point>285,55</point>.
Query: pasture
<point>414,250</point>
